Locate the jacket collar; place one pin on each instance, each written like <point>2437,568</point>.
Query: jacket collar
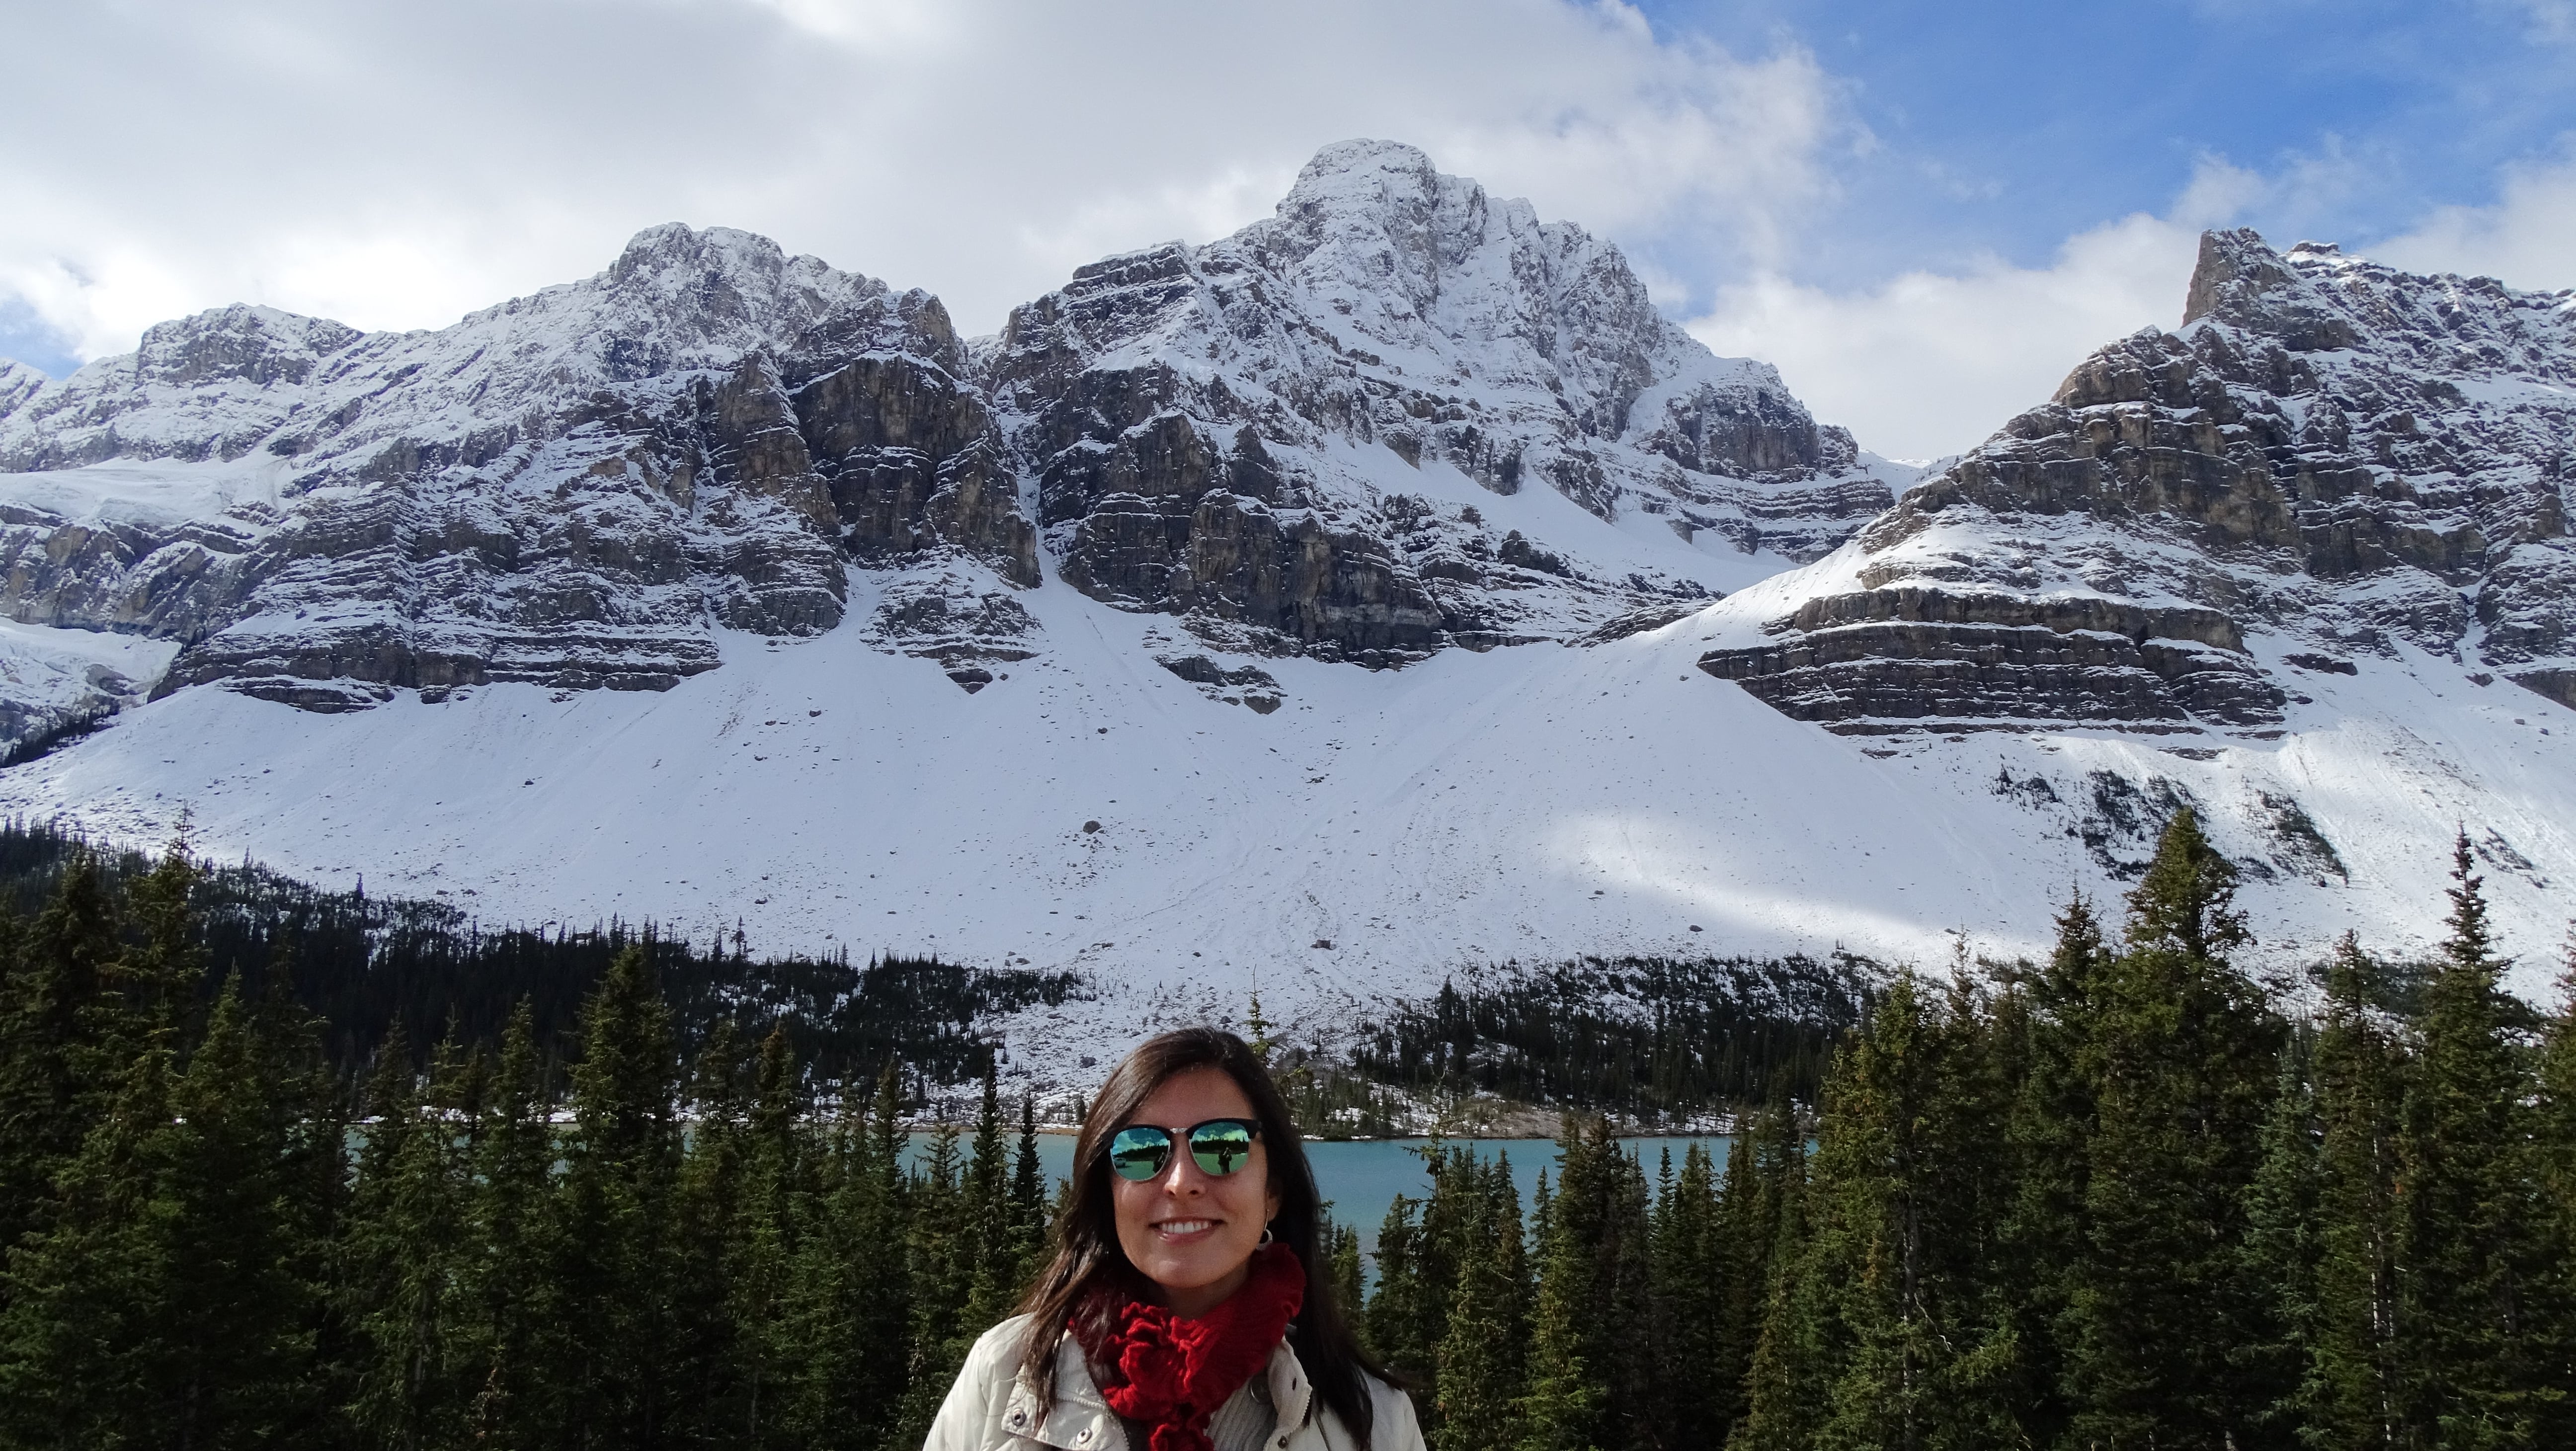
<point>1082,1420</point>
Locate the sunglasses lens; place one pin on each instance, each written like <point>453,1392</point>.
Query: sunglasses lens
<point>1220,1148</point>
<point>1140,1153</point>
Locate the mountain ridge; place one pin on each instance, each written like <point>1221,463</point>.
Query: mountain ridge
<point>1328,605</point>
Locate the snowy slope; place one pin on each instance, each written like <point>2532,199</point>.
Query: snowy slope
<point>1528,803</point>
<point>2302,565</point>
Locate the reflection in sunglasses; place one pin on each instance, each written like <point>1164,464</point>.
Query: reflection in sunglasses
<point>1219,1147</point>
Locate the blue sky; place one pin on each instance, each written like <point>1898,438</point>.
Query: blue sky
<point>1924,215</point>
<point>2003,128</point>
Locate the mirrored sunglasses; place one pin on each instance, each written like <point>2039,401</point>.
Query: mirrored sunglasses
<point>1219,1147</point>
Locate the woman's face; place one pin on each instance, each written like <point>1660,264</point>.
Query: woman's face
<point>1193,1234</point>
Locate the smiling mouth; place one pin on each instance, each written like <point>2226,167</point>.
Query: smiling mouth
<point>1184,1228</point>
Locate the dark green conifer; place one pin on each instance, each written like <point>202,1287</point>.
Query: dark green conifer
<point>1479,1359</point>
<point>162,1304</point>
<point>2182,1051</point>
<point>2353,1391</point>
<point>989,1246</point>
<point>940,1245</point>
<point>513,1333</point>
<point>2280,1254</point>
<point>2046,1020</point>
<point>2469,1258</point>
<point>709,1363</point>
<point>610,1238</point>
<point>852,1297</point>
<point>63,1053</point>
<point>1691,1299</point>
<point>760,1257</point>
<point>399,1280</point>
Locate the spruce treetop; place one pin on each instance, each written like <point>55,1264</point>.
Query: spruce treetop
<point>2186,900</point>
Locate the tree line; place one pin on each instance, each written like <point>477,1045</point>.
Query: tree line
<point>2117,1199</point>
<point>2120,1198</point>
<point>1649,1038</point>
<point>365,960</point>
<point>211,1242</point>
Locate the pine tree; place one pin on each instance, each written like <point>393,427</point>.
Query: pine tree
<point>1561,1407</point>
<point>938,1244</point>
<point>1479,1359</point>
<point>2469,1258</point>
<point>2182,1051</point>
<point>991,1241</point>
<point>2044,1036</point>
<point>1342,1263</point>
<point>1400,1309</point>
<point>1690,1292</point>
<point>2353,1390</point>
<point>2280,1254</point>
<point>399,1279</point>
<point>1029,1202</point>
<point>1757,1218</point>
<point>852,1305</point>
<point>82,1343</point>
<point>609,1236</point>
<point>61,1053</point>
<point>163,1305</point>
<point>1784,1389</point>
<point>513,1335</point>
<point>2554,1133</point>
<point>708,1246</point>
<point>761,1251</point>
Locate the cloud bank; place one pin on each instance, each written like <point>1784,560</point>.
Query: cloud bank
<point>397,166</point>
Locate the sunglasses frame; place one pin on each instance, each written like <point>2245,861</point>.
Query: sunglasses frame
<point>1172,1137</point>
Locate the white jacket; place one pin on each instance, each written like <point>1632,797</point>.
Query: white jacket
<point>992,1409</point>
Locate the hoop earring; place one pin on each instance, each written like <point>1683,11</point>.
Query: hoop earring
<point>1265,1234</point>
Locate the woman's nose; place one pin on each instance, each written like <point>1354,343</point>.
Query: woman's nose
<point>1184,1177</point>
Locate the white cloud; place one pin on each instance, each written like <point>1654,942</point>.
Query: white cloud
<point>2527,238</point>
<point>1929,364</point>
<point>396,166</point>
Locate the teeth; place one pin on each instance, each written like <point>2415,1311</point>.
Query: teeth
<point>1183,1226</point>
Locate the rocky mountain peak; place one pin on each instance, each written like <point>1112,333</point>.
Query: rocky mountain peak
<point>18,383</point>
<point>2235,270</point>
<point>1291,438</point>
<point>2331,459</point>
<point>1386,219</point>
<point>259,346</point>
<point>1213,427</point>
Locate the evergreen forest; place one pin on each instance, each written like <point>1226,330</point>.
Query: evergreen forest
<point>2122,1198</point>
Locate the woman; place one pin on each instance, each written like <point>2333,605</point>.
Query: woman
<point>1186,1308</point>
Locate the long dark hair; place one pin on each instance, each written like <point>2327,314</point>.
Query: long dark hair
<point>1088,1256</point>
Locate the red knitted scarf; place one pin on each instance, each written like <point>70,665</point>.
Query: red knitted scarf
<point>1173,1374</point>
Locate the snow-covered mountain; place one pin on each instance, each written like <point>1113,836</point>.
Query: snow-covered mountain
<point>1335,605</point>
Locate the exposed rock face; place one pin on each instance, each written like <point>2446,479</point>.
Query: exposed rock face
<point>2329,453</point>
<point>1205,422</point>
<point>573,488</point>
<point>18,383</point>
<point>1273,437</point>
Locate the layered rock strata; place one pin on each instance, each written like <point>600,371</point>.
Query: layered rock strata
<point>1201,421</point>
<point>1274,437</point>
<point>2329,454</point>
<point>575,489</point>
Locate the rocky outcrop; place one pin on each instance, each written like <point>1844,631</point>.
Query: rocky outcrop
<point>1896,659</point>
<point>2329,452</point>
<point>1272,437</point>
<point>957,617</point>
<point>1214,430</point>
<point>575,489</point>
